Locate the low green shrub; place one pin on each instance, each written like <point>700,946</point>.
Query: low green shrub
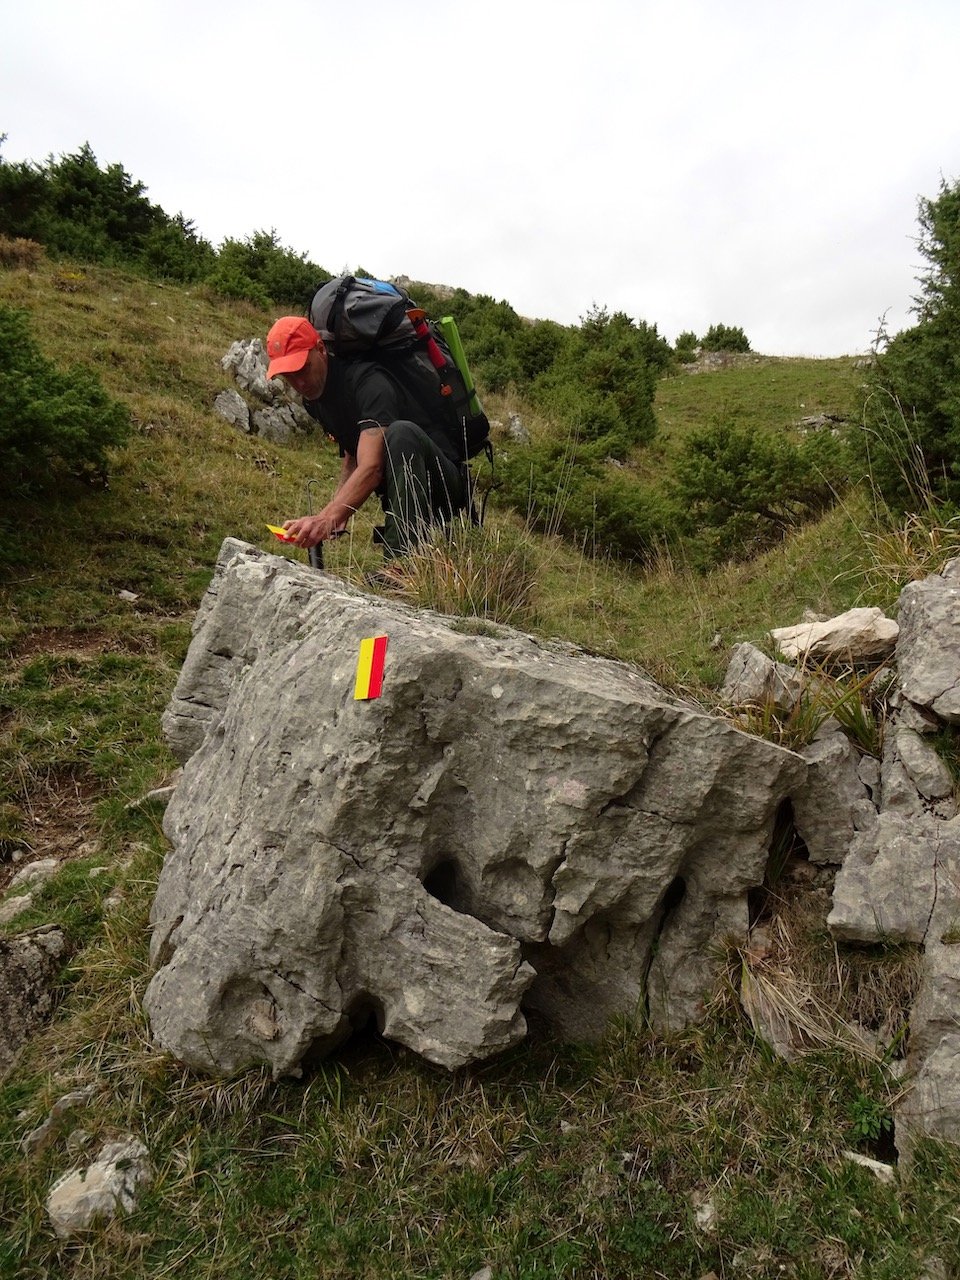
<point>724,337</point>
<point>572,489</point>
<point>51,421</point>
<point>741,489</point>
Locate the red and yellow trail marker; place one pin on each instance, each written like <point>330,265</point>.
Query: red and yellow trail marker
<point>279,532</point>
<point>373,651</point>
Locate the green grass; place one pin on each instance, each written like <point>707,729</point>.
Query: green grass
<point>768,392</point>
<point>552,1161</point>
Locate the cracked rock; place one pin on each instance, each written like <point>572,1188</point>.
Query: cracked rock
<point>509,826</point>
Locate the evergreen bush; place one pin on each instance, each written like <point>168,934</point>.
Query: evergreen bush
<point>685,347</point>
<point>722,337</point>
<point>741,489</point>
<point>266,272</point>
<point>568,488</point>
<point>76,208</point>
<point>911,438</point>
<point>51,422</point>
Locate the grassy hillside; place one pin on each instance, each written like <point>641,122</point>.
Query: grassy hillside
<point>555,1160</point>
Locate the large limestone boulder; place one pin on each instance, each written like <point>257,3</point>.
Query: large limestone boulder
<point>508,827</point>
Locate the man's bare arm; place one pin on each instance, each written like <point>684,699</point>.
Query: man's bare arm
<point>359,477</point>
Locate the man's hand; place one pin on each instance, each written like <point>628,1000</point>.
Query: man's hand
<point>307,531</point>
<point>359,477</point>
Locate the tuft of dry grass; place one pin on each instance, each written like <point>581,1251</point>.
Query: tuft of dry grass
<point>15,251</point>
<point>914,548</point>
<point>802,992</point>
<point>488,572</point>
<point>848,698</point>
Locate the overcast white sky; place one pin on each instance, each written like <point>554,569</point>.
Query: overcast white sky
<point>745,162</point>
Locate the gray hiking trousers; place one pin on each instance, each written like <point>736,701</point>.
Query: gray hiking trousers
<point>423,487</point>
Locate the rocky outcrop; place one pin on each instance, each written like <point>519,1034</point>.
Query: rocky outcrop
<point>272,411</point>
<point>890,827</point>
<point>507,827</point>
<point>515,827</point>
<point>928,654</point>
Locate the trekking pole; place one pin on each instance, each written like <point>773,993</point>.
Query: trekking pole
<point>314,554</point>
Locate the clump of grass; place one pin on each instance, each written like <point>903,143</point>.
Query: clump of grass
<point>16,251</point>
<point>788,1009</point>
<point>802,991</point>
<point>913,548</point>
<point>847,699</point>
<point>487,572</point>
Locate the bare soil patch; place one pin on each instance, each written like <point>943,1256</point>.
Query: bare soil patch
<point>56,816</point>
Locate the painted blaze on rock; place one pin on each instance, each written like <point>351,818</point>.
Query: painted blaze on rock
<point>507,826</point>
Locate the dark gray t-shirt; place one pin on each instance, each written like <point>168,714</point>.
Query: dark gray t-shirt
<point>360,394</point>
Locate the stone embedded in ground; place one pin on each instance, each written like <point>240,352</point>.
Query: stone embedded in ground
<point>61,1112</point>
<point>231,406</point>
<point>508,826</point>
<point>35,873</point>
<point>15,906</point>
<point>82,1198</point>
<point>29,967</point>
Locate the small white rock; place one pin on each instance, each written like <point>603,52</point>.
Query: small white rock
<point>104,1188</point>
<point>14,907</point>
<point>35,872</point>
<point>885,1172</point>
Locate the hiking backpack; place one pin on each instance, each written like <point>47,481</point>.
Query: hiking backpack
<point>359,318</point>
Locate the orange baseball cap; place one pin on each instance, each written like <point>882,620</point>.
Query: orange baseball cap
<point>289,343</point>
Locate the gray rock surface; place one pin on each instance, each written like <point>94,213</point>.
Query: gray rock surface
<point>752,677</point>
<point>277,413</point>
<point>247,361</point>
<point>508,824</point>
<point>232,407</point>
<point>928,650</point>
<point>277,424</point>
<point>887,887</point>
<point>901,883</point>
<point>834,803</point>
<point>29,967</point>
